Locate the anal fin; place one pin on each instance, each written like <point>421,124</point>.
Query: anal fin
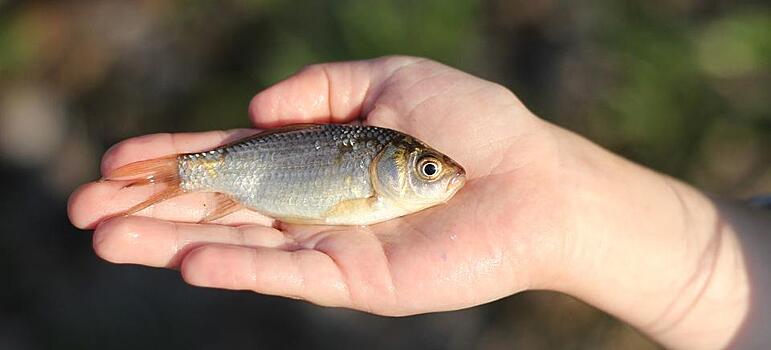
<point>223,205</point>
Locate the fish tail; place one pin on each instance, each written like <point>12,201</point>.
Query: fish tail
<point>164,171</point>
<point>159,170</point>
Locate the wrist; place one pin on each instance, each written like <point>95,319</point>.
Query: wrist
<point>648,249</point>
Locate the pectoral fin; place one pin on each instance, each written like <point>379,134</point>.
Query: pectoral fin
<point>348,210</point>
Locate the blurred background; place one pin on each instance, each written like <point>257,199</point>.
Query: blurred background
<point>681,86</point>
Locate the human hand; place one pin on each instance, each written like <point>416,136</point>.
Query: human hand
<point>541,209</point>
<point>472,250</point>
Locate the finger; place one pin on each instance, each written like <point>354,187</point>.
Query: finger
<point>159,145</point>
<point>98,201</point>
<point>158,243</point>
<point>324,93</point>
<point>304,274</point>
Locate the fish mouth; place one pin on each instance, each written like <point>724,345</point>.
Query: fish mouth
<point>457,181</point>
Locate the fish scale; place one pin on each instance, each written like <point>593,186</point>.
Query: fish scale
<point>304,171</point>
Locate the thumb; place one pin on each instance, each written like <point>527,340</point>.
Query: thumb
<point>324,93</point>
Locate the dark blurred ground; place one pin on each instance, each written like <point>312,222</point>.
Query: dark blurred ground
<point>681,86</point>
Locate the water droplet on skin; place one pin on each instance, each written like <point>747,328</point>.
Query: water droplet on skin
<point>453,237</point>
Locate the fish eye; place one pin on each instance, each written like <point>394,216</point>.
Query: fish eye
<point>429,168</point>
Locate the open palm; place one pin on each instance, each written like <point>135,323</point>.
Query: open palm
<point>500,234</point>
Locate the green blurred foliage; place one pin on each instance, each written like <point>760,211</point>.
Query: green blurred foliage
<point>18,43</point>
<point>661,102</point>
<point>343,30</point>
<point>680,86</point>
<point>671,83</point>
<point>737,45</point>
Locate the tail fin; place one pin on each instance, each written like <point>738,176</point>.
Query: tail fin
<point>163,171</point>
<point>159,170</point>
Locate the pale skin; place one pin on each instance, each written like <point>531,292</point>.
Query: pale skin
<point>542,209</point>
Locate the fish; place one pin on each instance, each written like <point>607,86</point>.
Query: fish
<point>317,174</point>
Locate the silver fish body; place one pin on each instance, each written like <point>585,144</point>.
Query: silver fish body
<point>315,174</point>
<point>301,173</point>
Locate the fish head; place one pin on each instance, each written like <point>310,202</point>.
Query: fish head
<point>415,175</point>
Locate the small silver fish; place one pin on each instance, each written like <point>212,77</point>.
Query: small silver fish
<point>326,174</point>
